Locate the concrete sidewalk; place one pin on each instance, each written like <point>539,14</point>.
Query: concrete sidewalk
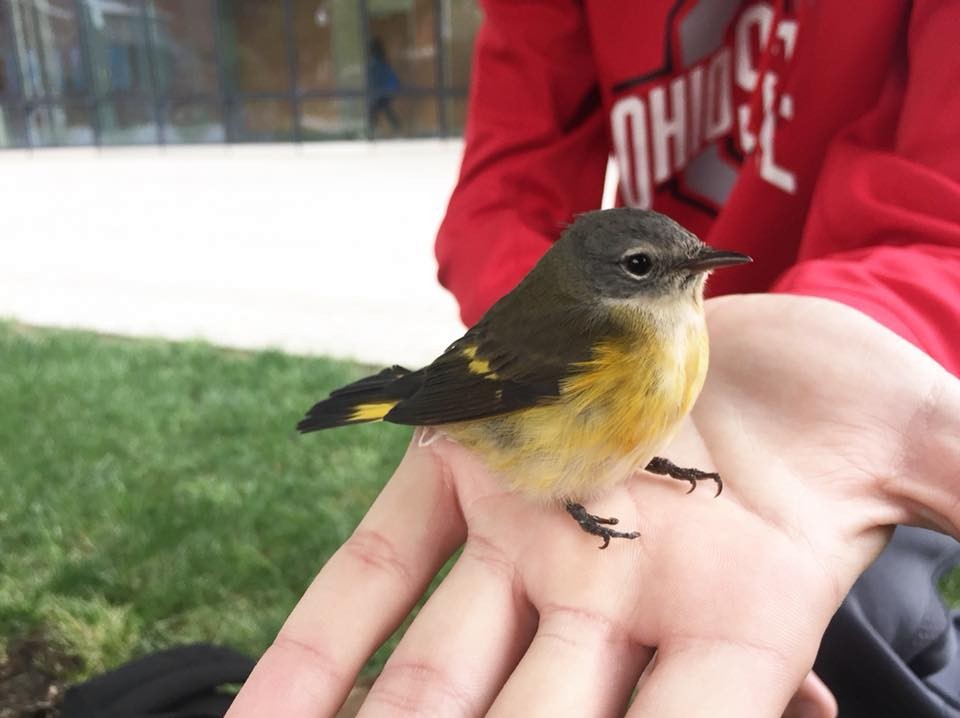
<point>322,249</point>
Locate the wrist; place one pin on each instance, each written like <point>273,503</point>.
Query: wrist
<point>926,484</point>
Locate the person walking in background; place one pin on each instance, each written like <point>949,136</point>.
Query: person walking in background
<point>383,84</point>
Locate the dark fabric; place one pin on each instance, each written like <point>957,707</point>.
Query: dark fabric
<point>892,648</point>
<point>181,682</point>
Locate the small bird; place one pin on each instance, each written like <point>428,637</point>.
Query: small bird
<point>575,379</point>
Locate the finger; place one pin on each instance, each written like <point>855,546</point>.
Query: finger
<point>360,596</point>
<point>580,663</point>
<point>718,678</point>
<point>463,644</point>
<point>812,700</point>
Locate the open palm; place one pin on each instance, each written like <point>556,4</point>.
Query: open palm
<point>814,415</point>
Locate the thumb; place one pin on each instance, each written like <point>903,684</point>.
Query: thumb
<point>812,700</point>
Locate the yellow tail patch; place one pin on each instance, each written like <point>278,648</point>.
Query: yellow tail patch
<point>373,411</point>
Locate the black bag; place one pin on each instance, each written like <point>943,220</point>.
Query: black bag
<point>183,682</point>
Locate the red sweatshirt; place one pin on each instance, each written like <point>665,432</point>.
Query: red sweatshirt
<point>822,137</point>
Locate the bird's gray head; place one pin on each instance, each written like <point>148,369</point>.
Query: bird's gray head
<point>623,254</point>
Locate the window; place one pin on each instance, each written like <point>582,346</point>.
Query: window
<point>123,71</point>
<point>60,123</point>
<point>183,35</point>
<point>329,46</point>
<point>461,20</point>
<point>264,120</point>
<point>76,72</point>
<point>333,119</point>
<point>254,49</point>
<point>46,39</point>
<point>13,133</point>
<point>192,121</point>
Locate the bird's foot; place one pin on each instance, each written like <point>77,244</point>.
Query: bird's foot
<point>597,525</point>
<point>665,467</point>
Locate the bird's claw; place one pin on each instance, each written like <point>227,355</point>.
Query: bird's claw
<point>665,467</point>
<point>597,525</point>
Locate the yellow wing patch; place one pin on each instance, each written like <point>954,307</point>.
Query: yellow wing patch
<point>479,366</point>
<point>372,411</point>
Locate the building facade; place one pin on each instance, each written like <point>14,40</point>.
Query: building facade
<point>136,72</point>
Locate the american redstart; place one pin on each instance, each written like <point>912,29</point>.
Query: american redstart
<point>576,378</point>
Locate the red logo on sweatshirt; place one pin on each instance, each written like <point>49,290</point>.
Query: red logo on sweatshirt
<point>717,98</point>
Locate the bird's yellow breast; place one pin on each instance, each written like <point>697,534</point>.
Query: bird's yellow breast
<point>613,413</point>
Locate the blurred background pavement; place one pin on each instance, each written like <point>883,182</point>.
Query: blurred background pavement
<point>320,249</point>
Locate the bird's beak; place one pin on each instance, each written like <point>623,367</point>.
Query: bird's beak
<point>709,258</point>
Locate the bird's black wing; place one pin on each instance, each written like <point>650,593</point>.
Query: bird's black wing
<point>495,370</point>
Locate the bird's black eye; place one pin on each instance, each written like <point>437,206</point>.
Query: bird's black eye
<point>639,264</point>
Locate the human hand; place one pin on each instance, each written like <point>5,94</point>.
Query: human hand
<point>827,430</point>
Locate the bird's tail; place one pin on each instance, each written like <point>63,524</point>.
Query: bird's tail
<point>365,400</point>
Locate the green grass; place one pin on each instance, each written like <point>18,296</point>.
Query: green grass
<point>156,493</point>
